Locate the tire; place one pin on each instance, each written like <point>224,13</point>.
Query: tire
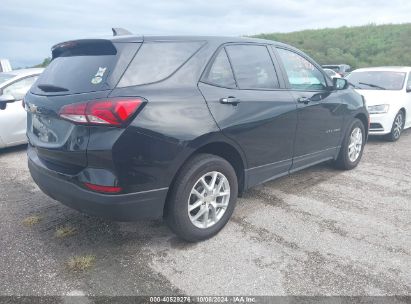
<point>352,146</point>
<point>397,127</point>
<point>177,215</point>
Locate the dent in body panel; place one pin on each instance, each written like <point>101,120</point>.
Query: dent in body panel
<point>161,136</point>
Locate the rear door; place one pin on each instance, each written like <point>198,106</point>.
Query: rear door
<point>320,110</point>
<point>246,98</point>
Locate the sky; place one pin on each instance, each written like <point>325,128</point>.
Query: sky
<point>28,29</point>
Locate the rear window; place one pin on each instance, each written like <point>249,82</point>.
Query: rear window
<point>78,74</point>
<point>156,61</point>
<point>84,66</point>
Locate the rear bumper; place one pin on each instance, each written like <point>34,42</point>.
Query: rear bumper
<point>119,207</point>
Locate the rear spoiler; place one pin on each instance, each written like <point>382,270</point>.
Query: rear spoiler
<point>84,47</point>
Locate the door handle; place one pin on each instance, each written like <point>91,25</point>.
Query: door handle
<point>230,100</point>
<point>304,100</point>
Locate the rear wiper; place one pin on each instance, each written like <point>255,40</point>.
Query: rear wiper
<point>51,88</point>
<point>372,85</point>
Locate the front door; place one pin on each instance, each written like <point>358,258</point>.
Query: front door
<point>320,113</point>
<point>13,119</point>
<point>408,103</point>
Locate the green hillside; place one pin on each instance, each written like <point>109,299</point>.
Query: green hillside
<point>362,46</point>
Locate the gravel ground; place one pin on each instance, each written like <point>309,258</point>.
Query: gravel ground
<point>317,232</point>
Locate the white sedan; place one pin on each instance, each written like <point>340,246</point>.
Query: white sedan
<point>13,86</point>
<point>387,92</point>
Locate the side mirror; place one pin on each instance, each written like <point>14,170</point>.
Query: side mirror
<point>5,99</point>
<point>340,83</point>
<point>408,89</point>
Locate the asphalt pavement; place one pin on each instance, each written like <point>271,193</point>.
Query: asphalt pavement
<point>318,232</point>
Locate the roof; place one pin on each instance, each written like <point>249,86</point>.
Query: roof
<point>211,39</point>
<point>386,69</point>
<point>26,72</point>
<point>187,38</point>
<point>18,74</point>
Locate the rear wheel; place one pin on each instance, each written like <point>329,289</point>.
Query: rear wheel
<point>397,127</point>
<point>352,146</point>
<point>203,198</point>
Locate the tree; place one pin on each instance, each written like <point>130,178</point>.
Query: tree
<point>361,46</point>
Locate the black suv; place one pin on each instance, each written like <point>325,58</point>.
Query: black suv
<point>143,127</point>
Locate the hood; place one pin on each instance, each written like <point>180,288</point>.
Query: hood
<point>377,97</point>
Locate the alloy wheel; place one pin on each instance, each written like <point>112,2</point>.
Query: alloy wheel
<point>208,199</point>
<point>355,144</point>
<point>398,124</point>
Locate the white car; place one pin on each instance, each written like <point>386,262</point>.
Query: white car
<point>387,92</point>
<point>13,86</point>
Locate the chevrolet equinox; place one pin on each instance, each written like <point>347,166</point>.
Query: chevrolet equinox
<point>133,127</point>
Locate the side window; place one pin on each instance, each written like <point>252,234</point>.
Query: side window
<point>220,72</point>
<point>19,88</point>
<point>253,67</point>
<point>156,61</point>
<point>409,81</point>
<point>302,74</point>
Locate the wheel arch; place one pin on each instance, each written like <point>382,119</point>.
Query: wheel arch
<point>364,119</point>
<point>230,154</point>
<point>224,150</point>
<point>404,111</point>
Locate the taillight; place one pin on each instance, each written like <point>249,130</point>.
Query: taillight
<point>113,112</point>
<point>104,189</point>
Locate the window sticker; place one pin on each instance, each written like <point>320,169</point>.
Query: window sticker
<point>99,75</point>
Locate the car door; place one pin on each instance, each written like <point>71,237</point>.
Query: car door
<point>13,117</point>
<point>408,102</point>
<point>320,112</point>
<point>248,101</point>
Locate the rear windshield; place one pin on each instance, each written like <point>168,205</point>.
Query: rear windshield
<point>4,77</point>
<point>80,67</point>
<point>155,61</point>
<point>377,80</point>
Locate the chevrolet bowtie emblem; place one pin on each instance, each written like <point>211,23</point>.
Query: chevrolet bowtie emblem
<point>32,108</point>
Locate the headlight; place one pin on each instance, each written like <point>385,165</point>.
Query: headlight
<point>379,109</point>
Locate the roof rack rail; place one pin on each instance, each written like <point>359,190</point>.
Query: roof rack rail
<point>118,31</point>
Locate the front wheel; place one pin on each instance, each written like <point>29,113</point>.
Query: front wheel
<point>352,146</point>
<point>397,127</point>
<point>203,198</point>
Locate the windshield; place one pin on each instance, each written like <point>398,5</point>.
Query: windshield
<point>4,77</point>
<point>377,80</point>
<point>335,68</point>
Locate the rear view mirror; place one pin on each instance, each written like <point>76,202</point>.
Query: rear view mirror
<point>4,100</point>
<point>340,83</point>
